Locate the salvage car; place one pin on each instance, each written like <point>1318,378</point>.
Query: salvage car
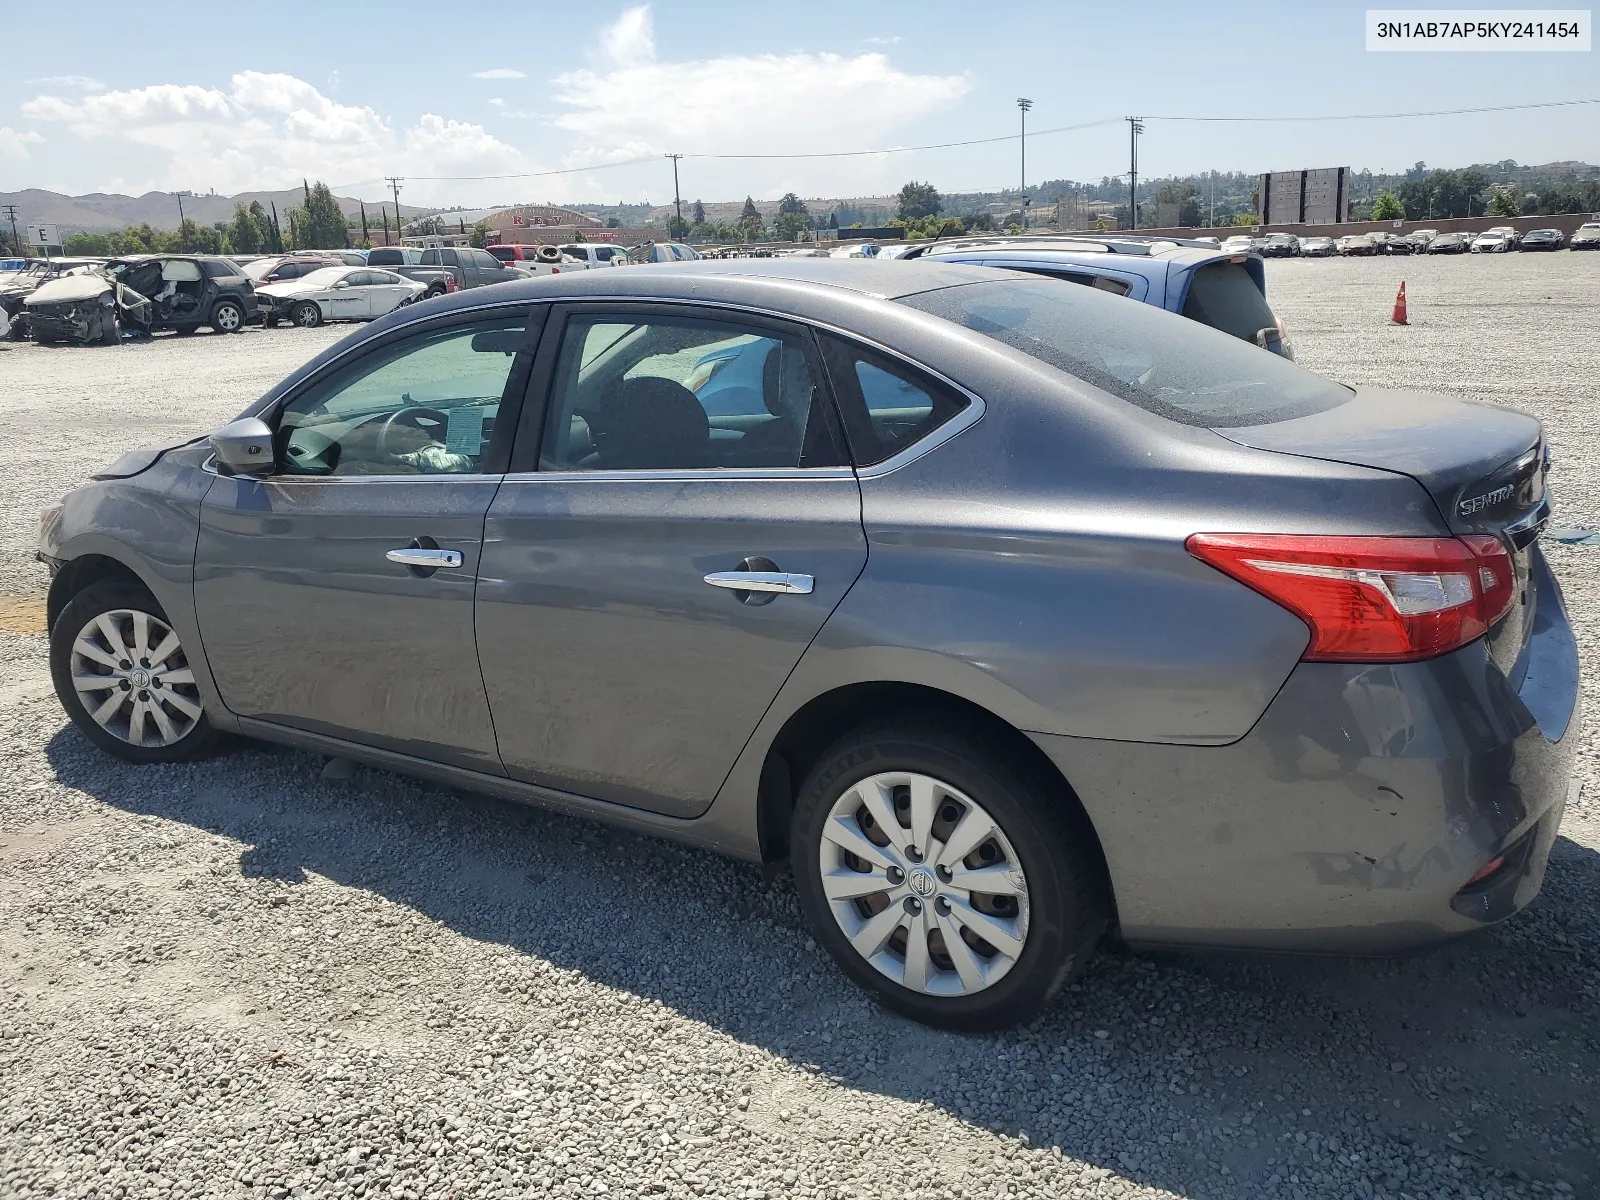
<point>1543,239</point>
<point>1281,245</point>
<point>16,288</point>
<point>1016,615</point>
<point>146,292</point>
<point>1491,242</point>
<point>1356,245</point>
<point>1318,247</point>
<point>1448,243</point>
<point>1587,237</point>
<point>337,294</point>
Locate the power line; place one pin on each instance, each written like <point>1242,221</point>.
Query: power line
<point>987,141</point>
<point>1439,112</point>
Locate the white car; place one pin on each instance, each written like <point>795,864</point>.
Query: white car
<point>596,255</point>
<point>337,294</point>
<point>1491,242</point>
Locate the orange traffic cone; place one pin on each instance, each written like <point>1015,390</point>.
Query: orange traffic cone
<point>1398,317</point>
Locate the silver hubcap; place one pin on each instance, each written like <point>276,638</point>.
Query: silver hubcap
<point>924,884</point>
<point>307,315</point>
<point>228,318</point>
<point>133,679</point>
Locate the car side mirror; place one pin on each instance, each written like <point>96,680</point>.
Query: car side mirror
<point>343,283</point>
<point>244,447</point>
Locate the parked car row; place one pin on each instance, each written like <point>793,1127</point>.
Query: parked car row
<point>1499,240</point>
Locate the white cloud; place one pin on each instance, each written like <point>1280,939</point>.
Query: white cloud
<point>14,143</point>
<point>499,73</point>
<point>77,83</point>
<point>884,41</point>
<point>632,104</point>
<point>270,130</point>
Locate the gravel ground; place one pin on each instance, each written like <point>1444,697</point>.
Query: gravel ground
<point>241,978</point>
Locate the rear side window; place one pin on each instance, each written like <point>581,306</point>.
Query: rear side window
<point>218,269</point>
<point>886,406</point>
<point>1223,296</point>
<point>385,258</point>
<point>503,253</point>
<point>1117,287</point>
<point>1151,358</point>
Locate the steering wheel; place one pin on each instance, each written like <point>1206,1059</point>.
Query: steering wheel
<point>429,421</point>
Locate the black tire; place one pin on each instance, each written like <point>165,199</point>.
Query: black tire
<point>1068,894</point>
<point>227,317</point>
<point>110,330</point>
<point>106,596</point>
<point>306,315</point>
<point>269,322</point>
<point>436,290</point>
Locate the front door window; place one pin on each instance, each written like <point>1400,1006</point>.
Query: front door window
<point>425,405</point>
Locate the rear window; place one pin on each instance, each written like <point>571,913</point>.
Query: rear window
<point>1223,296</point>
<point>1162,363</point>
<point>503,253</point>
<point>385,258</point>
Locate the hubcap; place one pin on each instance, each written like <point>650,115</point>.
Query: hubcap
<point>131,675</point>
<point>924,883</point>
<point>307,315</point>
<point>228,318</point>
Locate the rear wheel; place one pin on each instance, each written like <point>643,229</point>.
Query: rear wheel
<point>307,315</point>
<point>227,316</point>
<point>121,673</point>
<point>960,889</point>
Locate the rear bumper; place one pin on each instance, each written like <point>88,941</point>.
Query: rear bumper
<point>1352,817</point>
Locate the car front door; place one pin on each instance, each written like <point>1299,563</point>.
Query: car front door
<point>335,595</point>
<point>622,658</point>
<point>347,300</point>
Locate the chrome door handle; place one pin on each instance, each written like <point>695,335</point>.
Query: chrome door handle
<point>783,582</point>
<point>415,556</point>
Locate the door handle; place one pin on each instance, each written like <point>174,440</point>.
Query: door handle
<point>781,582</point>
<point>417,556</point>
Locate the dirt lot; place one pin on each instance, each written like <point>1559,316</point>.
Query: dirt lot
<point>240,978</point>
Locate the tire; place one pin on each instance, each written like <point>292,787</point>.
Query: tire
<point>306,315</point>
<point>435,290</point>
<point>269,322</point>
<point>110,331</point>
<point>1054,919</point>
<point>227,317</point>
<point>171,720</point>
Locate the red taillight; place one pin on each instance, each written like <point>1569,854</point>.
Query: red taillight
<point>449,283</point>
<point>555,270</point>
<point>1373,599</point>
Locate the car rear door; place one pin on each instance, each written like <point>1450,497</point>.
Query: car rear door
<point>622,657</point>
<point>335,595</point>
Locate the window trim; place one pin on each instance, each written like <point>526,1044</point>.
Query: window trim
<point>524,461</point>
<point>498,455</point>
<point>835,346</point>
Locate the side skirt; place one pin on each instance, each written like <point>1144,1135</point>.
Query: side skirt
<point>689,831</point>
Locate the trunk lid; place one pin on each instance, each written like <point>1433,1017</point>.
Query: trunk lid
<point>1484,466</point>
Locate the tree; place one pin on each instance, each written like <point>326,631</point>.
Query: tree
<point>677,228</point>
<point>1504,203</point>
<point>1178,201</point>
<point>1387,207</point>
<point>479,236</point>
<point>919,200</point>
<point>95,244</point>
<point>321,223</point>
<point>613,223</point>
<point>751,226</point>
<point>199,239</point>
<point>698,213</point>
<point>792,205</point>
<point>833,220</point>
<point>245,233</point>
<point>789,226</point>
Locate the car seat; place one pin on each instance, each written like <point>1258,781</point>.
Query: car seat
<point>648,422</point>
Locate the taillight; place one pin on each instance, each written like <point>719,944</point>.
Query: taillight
<point>1373,599</point>
<point>555,270</point>
<point>450,283</point>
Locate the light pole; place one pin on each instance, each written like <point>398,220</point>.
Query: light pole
<point>1022,141</point>
<point>1135,128</point>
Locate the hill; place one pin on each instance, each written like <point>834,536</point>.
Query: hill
<point>102,211</point>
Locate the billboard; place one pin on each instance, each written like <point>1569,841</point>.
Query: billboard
<point>1312,197</point>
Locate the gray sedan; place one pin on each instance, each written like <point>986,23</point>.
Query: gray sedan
<point>1011,615</point>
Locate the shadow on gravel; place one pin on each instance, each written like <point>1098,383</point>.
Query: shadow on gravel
<point>1467,1071</point>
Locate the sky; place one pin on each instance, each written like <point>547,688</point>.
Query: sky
<point>241,102</point>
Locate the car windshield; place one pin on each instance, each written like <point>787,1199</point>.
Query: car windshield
<point>260,267</point>
<point>1160,362</point>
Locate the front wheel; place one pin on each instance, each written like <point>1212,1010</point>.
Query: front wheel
<point>959,888</point>
<point>110,329</point>
<point>120,671</point>
<point>307,315</point>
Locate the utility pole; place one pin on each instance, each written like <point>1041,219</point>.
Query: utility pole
<point>399,227</point>
<point>1135,128</point>
<point>183,238</point>
<point>1022,141</point>
<point>677,200</point>
<point>10,213</point>
<point>1213,221</point>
